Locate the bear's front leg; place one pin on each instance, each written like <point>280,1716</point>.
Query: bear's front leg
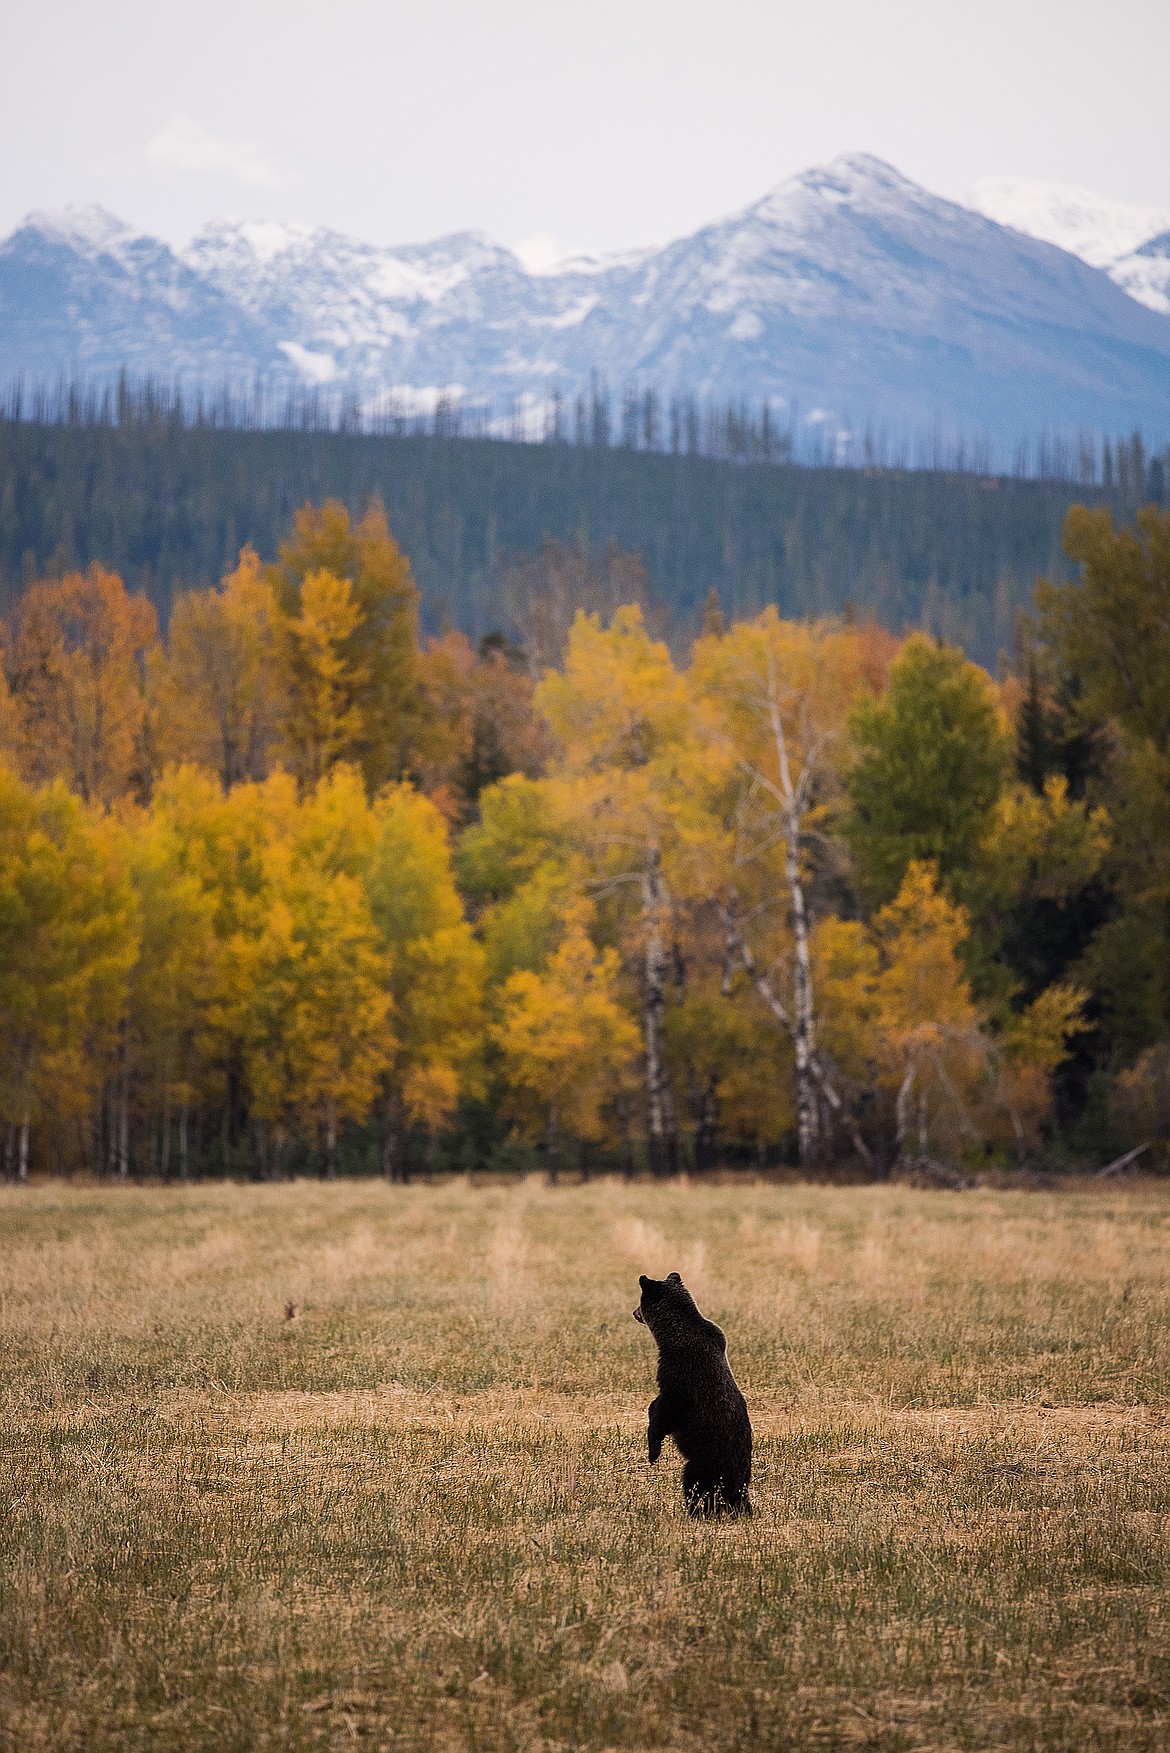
<point>658,1431</point>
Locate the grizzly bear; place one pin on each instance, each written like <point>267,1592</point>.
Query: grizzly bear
<point>699,1403</point>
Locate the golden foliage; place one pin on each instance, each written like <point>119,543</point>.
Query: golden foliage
<point>565,1041</point>
<point>77,671</point>
<point>220,691</point>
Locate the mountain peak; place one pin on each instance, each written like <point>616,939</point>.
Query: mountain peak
<point>855,171</point>
<point>88,228</point>
<point>854,180</point>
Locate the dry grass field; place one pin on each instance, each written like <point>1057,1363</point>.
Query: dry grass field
<point>313,1466</point>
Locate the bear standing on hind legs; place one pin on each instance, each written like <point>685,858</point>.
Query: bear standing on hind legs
<point>699,1403</point>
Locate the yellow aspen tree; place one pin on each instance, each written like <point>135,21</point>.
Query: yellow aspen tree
<point>931,1042</point>
<point>323,718</point>
<point>958,1077</point>
<point>398,849</point>
<point>727,1060</point>
<point>566,1041</point>
<point>219,689</point>
<point>77,665</point>
<point>180,991</point>
<point>223,843</point>
<point>68,939</point>
<point>317,1034</point>
<point>1028,1048</point>
<point>625,778</point>
<point>382,703</point>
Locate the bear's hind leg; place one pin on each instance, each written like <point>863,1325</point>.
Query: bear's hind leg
<point>700,1495</point>
<point>739,1505</point>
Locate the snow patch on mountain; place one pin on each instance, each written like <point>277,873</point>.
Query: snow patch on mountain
<point>1115,235</point>
<point>90,230</point>
<point>1098,230</point>
<point>313,367</point>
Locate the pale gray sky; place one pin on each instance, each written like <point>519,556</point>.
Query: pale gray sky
<point>602,123</point>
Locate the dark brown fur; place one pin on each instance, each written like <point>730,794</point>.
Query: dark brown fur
<point>699,1403</point>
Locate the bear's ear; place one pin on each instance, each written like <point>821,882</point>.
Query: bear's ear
<point>673,1278</point>
<point>643,1281</point>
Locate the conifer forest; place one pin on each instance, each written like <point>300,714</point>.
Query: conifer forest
<point>166,494</point>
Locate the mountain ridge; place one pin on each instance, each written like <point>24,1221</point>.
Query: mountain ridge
<point>843,296</point>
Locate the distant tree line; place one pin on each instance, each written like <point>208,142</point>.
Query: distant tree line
<point>638,417</point>
<point>166,491</point>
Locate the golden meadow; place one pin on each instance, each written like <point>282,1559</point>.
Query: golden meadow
<point>321,1465</point>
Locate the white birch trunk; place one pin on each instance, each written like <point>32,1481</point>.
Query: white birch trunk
<point>804,1038</point>
<point>739,949</point>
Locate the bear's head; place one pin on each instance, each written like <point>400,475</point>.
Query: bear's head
<point>660,1296</point>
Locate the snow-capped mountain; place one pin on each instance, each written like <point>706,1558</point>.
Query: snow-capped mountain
<point>82,294</point>
<point>847,295</point>
<point>1131,243</point>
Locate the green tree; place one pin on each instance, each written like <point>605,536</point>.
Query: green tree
<point>1111,628</point>
<point>933,753</point>
<point>1107,635</point>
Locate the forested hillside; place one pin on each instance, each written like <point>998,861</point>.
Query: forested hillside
<point>291,884</point>
<point>169,505</point>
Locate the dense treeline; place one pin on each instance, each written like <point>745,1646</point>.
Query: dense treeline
<point>168,505</point>
<point>294,886</point>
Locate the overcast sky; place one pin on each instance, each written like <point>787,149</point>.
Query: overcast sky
<point>599,123</point>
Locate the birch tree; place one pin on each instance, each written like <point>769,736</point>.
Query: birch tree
<point>778,694</point>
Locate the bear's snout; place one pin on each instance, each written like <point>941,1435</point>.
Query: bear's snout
<point>639,1316</point>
